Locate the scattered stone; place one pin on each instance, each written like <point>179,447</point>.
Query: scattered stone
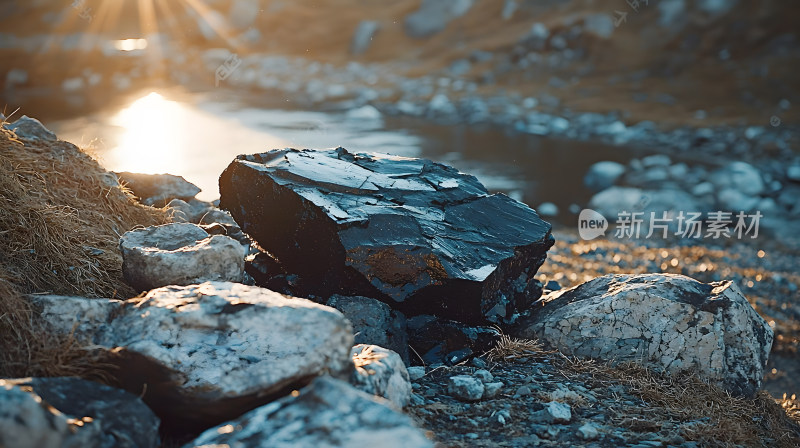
<point>71,412</point>
<point>739,176</point>
<point>381,372</point>
<point>416,372</point>
<point>484,375</point>
<point>158,189</point>
<point>28,128</point>
<point>479,362</point>
<point>205,353</point>
<point>362,38</point>
<point>412,233</point>
<point>522,391</point>
<point>793,173</point>
<point>588,431</point>
<point>601,25</point>
<point>490,390</point>
<point>179,254</point>
<point>547,209</point>
<point>374,323</point>
<point>465,388</point>
<point>615,200</point>
<point>666,321</point>
<point>365,113</point>
<point>438,341</point>
<point>434,15</point>
<point>555,412</point>
<point>602,175</point>
<point>326,413</point>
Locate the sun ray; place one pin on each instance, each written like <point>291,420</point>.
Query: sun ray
<point>207,15</point>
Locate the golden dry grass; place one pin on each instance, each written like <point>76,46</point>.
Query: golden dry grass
<point>730,421</point>
<point>60,221</point>
<point>511,349</point>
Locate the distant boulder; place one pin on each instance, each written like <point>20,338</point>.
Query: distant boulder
<point>434,15</point>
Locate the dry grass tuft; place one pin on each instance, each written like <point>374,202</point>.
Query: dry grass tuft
<point>728,421</point>
<point>366,357</point>
<point>511,349</point>
<point>60,221</point>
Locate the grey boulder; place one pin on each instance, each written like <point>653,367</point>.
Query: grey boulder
<point>374,323</point>
<point>158,189</point>
<point>179,254</point>
<point>381,372</point>
<point>328,413</point>
<point>71,412</point>
<point>669,322</point>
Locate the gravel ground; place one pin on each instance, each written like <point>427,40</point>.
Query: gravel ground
<point>764,268</point>
<point>610,412</point>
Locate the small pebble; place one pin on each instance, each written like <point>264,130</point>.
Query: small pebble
<point>479,362</point>
<point>588,432</point>
<point>522,391</point>
<point>484,375</point>
<point>415,372</point>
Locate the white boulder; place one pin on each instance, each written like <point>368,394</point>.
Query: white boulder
<point>669,322</point>
<point>381,372</point>
<point>179,254</point>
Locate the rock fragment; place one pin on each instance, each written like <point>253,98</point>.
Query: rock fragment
<point>326,413</point>
<point>179,254</point>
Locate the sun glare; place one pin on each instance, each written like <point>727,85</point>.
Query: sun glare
<point>158,135</point>
<point>150,140</point>
<point>130,44</point>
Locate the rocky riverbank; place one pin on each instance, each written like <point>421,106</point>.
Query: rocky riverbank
<point>211,356</point>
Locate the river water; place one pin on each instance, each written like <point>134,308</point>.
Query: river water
<point>196,135</point>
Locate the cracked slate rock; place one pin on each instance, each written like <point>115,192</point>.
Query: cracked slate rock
<point>374,323</point>
<point>179,254</point>
<point>72,412</point>
<point>416,234</point>
<point>327,413</point>
<point>202,354</point>
<point>158,189</point>
<point>381,372</point>
<point>665,321</point>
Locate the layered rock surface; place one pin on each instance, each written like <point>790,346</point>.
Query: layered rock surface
<point>71,412</point>
<point>179,254</point>
<point>670,322</point>
<point>202,354</point>
<point>416,234</point>
<point>327,413</point>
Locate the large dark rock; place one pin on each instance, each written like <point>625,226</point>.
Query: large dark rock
<point>416,234</point>
<point>72,412</point>
<point>440,341</point>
